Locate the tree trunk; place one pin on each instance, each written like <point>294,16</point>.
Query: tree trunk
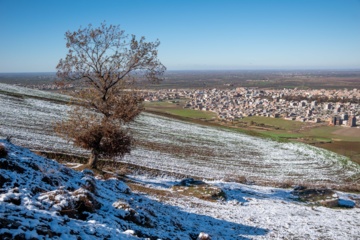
<point>93,159</point>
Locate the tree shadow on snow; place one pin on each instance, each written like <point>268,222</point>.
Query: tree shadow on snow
<point>181,223</point>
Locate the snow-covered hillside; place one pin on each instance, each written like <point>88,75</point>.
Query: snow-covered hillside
<point>176,146</point>
<point>42,199</point>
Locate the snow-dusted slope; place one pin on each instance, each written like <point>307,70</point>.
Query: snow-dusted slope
<point>16,90</point>
<point>41,199</point>
<point>219,153</point>
<point>29,121</point>
<point>177,146</point>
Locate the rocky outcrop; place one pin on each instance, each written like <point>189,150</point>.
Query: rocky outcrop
<point>321,196</point>
<point>199,189</point>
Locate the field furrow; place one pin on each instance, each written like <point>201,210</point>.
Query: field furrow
<point>176,146</point>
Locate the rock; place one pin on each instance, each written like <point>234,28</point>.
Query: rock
<point>19,236</point>
<point>204,236</point>
<point>320,196</point>
<point>6,236</point>
<point>78,204</point>
<point>121,205</point>
<point>33,166</point>
<point>66,171</point>
<point>187,182</point>
<point>346,203</point>
<point>12,166</point>
<point>50,180</point>
<point>138,218</point>
<point>89,184</point>
<point>299,188</point>
<point>45,230</point>
<point>14,200</point>
<point>85,201</point>
<point>3,180</point>
<point>10,224</point>
<point>36,190</point>
<point>130,232</point>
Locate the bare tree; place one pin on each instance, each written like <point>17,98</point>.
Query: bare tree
<point>107,64</point>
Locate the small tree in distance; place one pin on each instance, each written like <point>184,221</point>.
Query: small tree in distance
<point>107,64</point>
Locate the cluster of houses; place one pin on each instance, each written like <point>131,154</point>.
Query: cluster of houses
<point>49,86</point>
<point>232,104</point>
<point>343,120</point>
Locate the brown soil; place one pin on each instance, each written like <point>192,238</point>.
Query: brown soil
<point>348,132</point>
<point>350,149</point>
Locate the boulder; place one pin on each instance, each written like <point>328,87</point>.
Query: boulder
<point>319,196</point>
<point>187,182</point>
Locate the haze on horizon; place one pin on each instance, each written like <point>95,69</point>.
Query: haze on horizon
<point>194,35</point>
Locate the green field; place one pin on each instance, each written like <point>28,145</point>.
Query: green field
<point>176,109</point>
<point>277,129</point>
<point>279,123</point>
<point>328,132</point>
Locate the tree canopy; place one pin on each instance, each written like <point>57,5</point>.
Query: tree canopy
<point>107,64</point>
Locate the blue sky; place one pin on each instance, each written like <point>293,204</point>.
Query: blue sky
<point>196,34</point>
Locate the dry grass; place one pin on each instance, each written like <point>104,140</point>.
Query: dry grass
<point>63,157</point>
<point>203,191</point>
<point>162,195</point>
<point>237,179</point>
<point>351,187</point>
<point>121,169</point>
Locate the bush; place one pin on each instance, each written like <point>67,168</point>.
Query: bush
<point>3,151</point>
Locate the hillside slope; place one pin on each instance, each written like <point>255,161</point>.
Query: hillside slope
<point>40,198</point>
<point>175,146</point>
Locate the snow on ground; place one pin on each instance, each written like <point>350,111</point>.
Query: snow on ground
<point>232,154</point>
<point>33,92</point>
<point>34,201</point>
<point>281,217</point>
<point>275,210</point>
<point>39,197</point>
<point>29,121</point>
<point>200,151</point>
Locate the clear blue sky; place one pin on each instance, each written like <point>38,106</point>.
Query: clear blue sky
<point>194,34</point>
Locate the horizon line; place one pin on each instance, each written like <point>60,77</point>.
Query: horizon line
<point>222,70</point>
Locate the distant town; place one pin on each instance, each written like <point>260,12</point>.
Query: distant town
<point>335,106</point>
<point>338,107</point>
